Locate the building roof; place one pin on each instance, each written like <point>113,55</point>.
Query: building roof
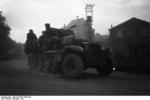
<point>134,19</point>
<point>77,22</point>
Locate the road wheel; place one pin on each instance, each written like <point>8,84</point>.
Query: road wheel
<point>55,64</point>
<point>105,67</point>
<point>40,62</point>
<point>46,65</point>
<point>72,66</point>
<point>31,61</point>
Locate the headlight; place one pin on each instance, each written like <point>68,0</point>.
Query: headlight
<point>114,69</point>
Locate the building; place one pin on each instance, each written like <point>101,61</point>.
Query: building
<point>82,30</point>
<point>131,41</point>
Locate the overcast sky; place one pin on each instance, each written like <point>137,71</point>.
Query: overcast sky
<point>25,14</point>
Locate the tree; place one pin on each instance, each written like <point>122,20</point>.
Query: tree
<point>4,28</point>
<point>7,45</point>
<point>4,35</point>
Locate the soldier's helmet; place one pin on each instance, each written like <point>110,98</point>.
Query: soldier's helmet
<point>47,26</point>
<point>30,31</point>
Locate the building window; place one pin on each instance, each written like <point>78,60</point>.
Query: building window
<point>138,32</point>
<point>125,33</point>
<point>148,31</point>
<point>145,32</point>
<point>119,34</point>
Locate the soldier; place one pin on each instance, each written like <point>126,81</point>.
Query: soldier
<point>49,31</point>
<point>30,44</point>
<point>47,26</point>
<point>41,40</point>
<point>46,38</point>
<point>44,41</point>
<point>31,35</point>
<point>55,44</point>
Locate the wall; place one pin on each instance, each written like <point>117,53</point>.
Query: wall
<point>132,43</point>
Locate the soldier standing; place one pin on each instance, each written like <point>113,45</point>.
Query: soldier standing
<point>30,44</point>
<point>31,35</point>
<point>49,31</point>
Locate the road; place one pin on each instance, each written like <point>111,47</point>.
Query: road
<point>17,79</point>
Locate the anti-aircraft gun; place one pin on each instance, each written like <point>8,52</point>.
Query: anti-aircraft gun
<point>70,56</point>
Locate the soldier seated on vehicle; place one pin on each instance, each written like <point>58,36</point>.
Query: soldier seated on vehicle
<point>47,37</point>
<point>41,41</point>
<point>30,44</point>
<point>49,32</point>
<point>45,41</point>
<point>55,44</point>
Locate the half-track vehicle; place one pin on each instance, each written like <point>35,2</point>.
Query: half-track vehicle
<point>70,56</point>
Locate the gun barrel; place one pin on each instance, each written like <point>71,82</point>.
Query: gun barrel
<point>73,26</point>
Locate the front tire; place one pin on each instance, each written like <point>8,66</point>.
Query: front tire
<point>72,66</point>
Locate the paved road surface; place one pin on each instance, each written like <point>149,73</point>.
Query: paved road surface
<point>17,79</point>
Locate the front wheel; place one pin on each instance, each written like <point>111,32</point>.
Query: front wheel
<point>105,67</point>
<point>72,65</point>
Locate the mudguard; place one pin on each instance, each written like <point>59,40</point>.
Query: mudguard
<point>73,48</point>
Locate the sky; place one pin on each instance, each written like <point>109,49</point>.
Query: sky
<point>23,15</point>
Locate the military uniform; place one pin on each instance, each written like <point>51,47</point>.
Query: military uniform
<point>30,44</point>
<point>46,39</point>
